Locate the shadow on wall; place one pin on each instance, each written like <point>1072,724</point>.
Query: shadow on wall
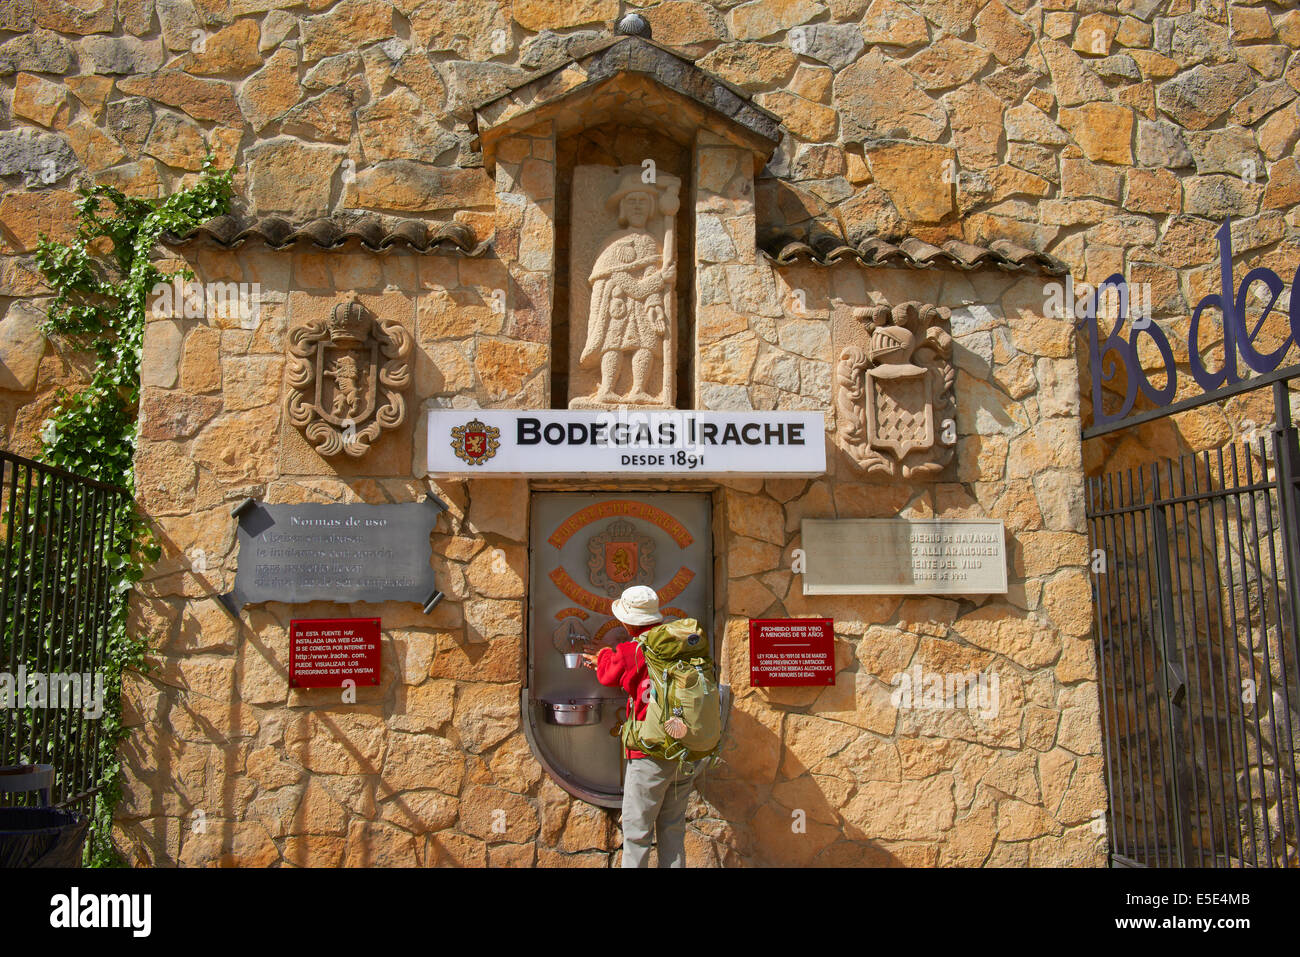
<point>752,817</point>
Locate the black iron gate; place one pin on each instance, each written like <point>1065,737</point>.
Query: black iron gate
<point>57,545</point>
<point>1195,568</point>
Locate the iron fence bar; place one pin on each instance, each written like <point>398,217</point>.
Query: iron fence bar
<point>1261,486</point>
<point>1196,711</point>
<point>101,499</point>
<point>1178,805</point>
<point>1228,696</point>
<point>1145,720</point>
<point>7,641</point>
<point>1174,650</point>
<point>17,647</point>
<point>1179,622</point>
<point>103,522</point>
<point>1278,749</point>
<point>1132,784</point>
<point>108,524</point>
<point>32,591</point>
<point>1208,674</point>
<point>76,723</point>
<point>1151,603</point>
<point>58,636</point>
<point>47,469</point>
<point>1247,601</point>
<point>76,720</point>
<point>1236,656</point>
<point>1254,677</point>
<point>1268,656</point>
<point>1278,376</point>
<point>1105,664</point>
<point>1150,805</point>
<point>47,640</point>
<point>1286,458</point>
<point>90,733</point>
<point>1130,781</point>
<point>47,514</point>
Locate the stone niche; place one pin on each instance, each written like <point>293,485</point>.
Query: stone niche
<point>628,303</point>
<point>606,172</point>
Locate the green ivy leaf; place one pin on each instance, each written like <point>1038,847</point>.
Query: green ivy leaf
<point>99,306</point>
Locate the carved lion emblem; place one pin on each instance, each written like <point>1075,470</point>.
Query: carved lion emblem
<point>619,557</point>
<point>895,399</point>
<point>346,376</point>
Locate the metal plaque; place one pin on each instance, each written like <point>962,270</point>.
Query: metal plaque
<point>894,556</point>
<point>326,652</point>
<point>339,553</point>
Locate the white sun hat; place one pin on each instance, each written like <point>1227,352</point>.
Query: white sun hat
<point>639,605</point>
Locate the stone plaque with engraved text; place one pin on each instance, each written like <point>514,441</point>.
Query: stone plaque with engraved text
<point>894,556</point>
<point>340,553</point>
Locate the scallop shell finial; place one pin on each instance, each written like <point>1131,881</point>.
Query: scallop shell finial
<point>633,25</point>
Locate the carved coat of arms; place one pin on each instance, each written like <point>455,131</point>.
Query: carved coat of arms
<point>475,442</point>
<point>619,557</point>
<point>895,398</point>
<point>346,376</point>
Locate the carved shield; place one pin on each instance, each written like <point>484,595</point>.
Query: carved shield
<point>346,376</point>
<point>619,557</point>
<point>900,409</point>
<point>335,405</point>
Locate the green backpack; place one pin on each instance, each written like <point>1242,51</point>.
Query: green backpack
<point>683,719</point>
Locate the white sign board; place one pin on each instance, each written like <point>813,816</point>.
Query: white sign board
<point>894,556</point>
<point>565,442</point>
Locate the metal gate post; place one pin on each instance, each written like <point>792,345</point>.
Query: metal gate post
<point>1286,449</point>
<point>1175,692</point>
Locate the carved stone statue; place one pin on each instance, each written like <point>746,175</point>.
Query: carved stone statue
<point>627,339</point>
<point>346,376</point>
<point>894,399</point>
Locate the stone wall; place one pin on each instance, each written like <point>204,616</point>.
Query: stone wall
<point>1115,136</point>
<point>414,771</point>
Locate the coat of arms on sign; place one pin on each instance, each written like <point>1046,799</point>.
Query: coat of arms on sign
<point>346,376</point>
<point>894,398</point>
<point>619,557</point>
<point>474,442</point>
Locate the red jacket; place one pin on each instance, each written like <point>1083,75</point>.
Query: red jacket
<point>623,666</point>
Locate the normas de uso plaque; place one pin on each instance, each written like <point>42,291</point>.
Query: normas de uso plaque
<point>893,556</point>
<point>338,553</point>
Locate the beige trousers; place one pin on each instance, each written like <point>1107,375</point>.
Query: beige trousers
<point>655,794</point>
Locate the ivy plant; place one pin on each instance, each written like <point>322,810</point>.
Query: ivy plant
<point>102,280</point>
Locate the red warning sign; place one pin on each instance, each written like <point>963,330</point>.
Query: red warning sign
<point>787,652</point>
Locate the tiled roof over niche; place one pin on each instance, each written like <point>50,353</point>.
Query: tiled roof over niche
<point>374,232</point>
<point>916,253</point>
